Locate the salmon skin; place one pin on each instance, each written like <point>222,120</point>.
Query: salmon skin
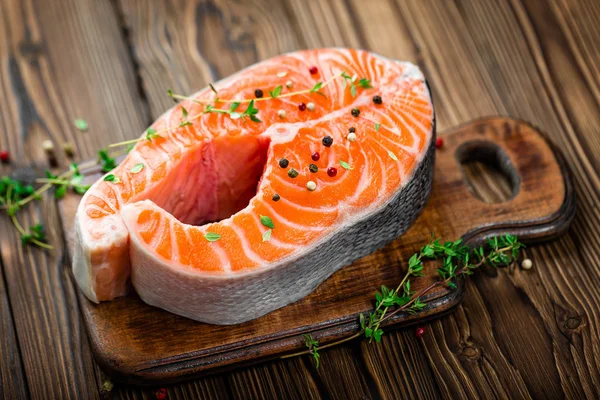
<point>245,196</point>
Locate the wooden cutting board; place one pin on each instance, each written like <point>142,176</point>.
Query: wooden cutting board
<point>136,343</point>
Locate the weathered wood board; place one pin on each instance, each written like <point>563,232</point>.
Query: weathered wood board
<point>136,343</point>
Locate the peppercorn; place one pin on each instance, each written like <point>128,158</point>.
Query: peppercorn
<point>161,394</point>
<point>332,171</point>
<point>292,173</point>
<point>313,70</point>
<point>355,112</point>
<point>377,100</point>
<point>352,129</point>
<point>327,141</point>
<point>315,156</point>
<point>276,197</point>
<point>313,168</point>
<point>283,163</point>
<point>4,156</point>
<point>258,93</point>
<point>419,332</point>
<point>302,106</point>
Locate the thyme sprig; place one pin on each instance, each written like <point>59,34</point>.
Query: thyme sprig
<point>457,260</point>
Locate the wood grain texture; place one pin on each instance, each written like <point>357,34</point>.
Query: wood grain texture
<point>526,58</point>
<point>50,74</point>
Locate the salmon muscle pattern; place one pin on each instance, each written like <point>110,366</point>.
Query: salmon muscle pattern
<point>238,208</point>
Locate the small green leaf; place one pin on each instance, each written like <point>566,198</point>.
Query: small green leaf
<point>212,237</point>
<point>81,124</point>
<point>392,156</point>
<point>345,165</point>
<point>137,168</point>
<point>112,178</point>
<point>365,83</point>
<point>267,235</point>
<point>377,126</point>
<point>60,192</point>
<point>275,92</point>
<point>234,106</point>
<point>267,221</point>
<point>316,88</point>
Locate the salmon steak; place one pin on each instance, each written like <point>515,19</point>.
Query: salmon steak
<point>246,196</point>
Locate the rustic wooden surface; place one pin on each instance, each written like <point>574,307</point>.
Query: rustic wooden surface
<point>521,334</point>
<point>138,344</point>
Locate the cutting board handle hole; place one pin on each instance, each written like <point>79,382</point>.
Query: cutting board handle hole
<point>488,171</point>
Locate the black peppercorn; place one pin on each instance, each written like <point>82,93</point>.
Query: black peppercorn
<point>355,112</point>
<point>352,130</point>
<point>283,163</point>
<point>258,93</point>
<point>313,168</point>
<point>377,99</point>
<point>292,173</point>
<point>327,141</point>
<point>276,197</point>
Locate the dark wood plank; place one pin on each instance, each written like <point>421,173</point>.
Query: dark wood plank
<point>61,60</point>
<point>498,73</point>
<point>12,377</point>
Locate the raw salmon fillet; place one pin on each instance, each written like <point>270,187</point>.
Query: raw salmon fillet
<point>210,222</point>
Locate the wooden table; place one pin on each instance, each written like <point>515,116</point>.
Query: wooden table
<point>519,334</point>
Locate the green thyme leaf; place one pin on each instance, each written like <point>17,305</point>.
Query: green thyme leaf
<point>275,92</point>
<point>112,178</point>
<point>316,88</point>
<point>345,165</point>
<point>267,221</point>
<point>212,237</point>
<point>137,168</point>
<point>365,83</point>
<point>234,106</point>
<point>267,235</point>
<point>81,124</point>
<point>392,156</point>
<point>60,191</point>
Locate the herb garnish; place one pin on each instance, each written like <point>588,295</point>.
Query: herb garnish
<point>267,221</point>
<point>112,178</point>
<point>275,92</point>
<point>81,124</point>
<point>458,260</point>
<point>212,237</point>
<point>137,168</point>
<point>345,165</point>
